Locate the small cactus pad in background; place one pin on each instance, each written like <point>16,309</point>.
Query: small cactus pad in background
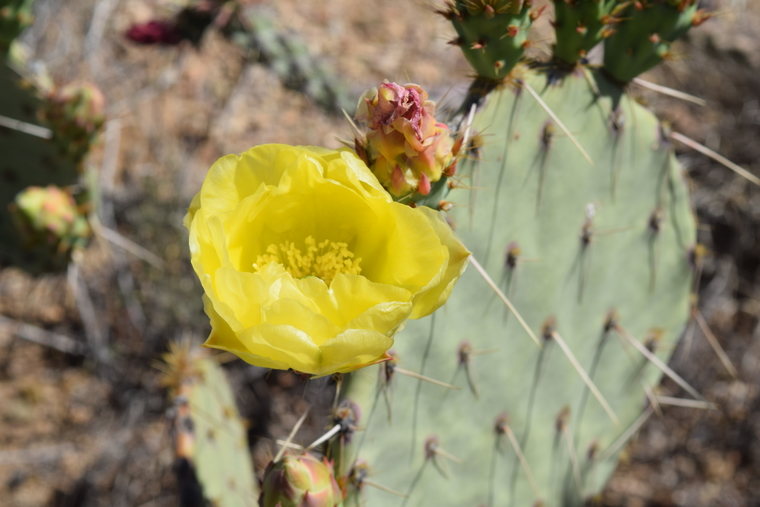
<point>210,435</point>
<point>289,57</point>
<point>299,481</point>
<point>570,243</point>
<point>644,33</point>
<point>492,34</point>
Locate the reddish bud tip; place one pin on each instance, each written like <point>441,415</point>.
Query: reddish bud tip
<point>424,187</point>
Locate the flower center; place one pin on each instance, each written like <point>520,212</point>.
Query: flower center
<point>323,260</point>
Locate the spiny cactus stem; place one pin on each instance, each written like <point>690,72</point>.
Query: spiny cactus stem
<point>489,281</point>
<point>556,119</point>
<point>664,368</point>
<point>584,376</point>
<point>704,150</point>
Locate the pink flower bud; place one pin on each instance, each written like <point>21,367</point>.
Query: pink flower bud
<point>405,142</point>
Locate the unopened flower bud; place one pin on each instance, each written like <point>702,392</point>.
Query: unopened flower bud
<point>300,481</point>
<point>406,147</point>
<point>49,216</point>
<point>75,113</point>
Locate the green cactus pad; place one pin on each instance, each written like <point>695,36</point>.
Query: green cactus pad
<point>580,25</point>
<point>492,34</point>
<point>644,34</point>
<point>209,433</point>
<point>568,242</point>
<point>290,58</point>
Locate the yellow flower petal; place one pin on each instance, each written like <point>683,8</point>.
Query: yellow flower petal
<point>308,264</point>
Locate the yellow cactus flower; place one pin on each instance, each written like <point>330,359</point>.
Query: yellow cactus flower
<point>308,264</point>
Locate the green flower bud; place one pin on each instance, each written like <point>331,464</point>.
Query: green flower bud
<point>300,481</point>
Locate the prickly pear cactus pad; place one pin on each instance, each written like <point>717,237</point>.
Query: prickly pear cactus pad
<point>644,33</point>
<point>592,254</point>
<point>209,433</point>
<point>492,34</point>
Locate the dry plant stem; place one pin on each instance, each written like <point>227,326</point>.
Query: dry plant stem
<point>34,334</point>
<point>126,244</point>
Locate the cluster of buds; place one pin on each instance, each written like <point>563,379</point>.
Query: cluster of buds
<point>75,114</point>
<point>50,217</point>
<point>406,147</point>
<point>300,481</point>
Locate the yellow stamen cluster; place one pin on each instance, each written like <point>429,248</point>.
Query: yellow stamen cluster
<point>323,260</point>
